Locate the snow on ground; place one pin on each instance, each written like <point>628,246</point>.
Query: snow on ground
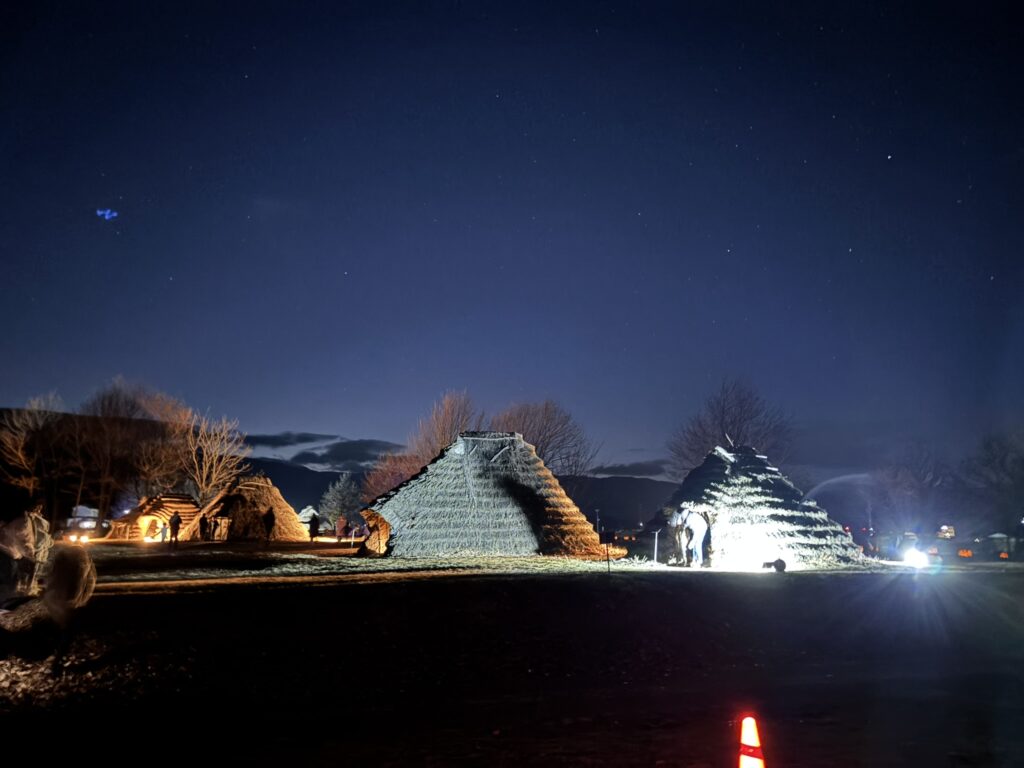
<point>305,564</point>
<point>125,563</point>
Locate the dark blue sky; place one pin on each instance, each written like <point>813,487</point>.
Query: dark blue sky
<point>329,213</point>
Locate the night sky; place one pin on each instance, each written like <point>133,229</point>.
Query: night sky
<point>330,213</point>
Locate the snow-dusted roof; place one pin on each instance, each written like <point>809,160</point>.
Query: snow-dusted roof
<point>488,493</point>
<point>757,514</point>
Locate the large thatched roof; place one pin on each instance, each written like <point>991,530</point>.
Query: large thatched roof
<point>488,493</point>
<point>239,510</point>
<point>153,512</point>
<point>757,515</point>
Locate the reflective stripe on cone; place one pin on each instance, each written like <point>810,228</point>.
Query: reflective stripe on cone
<point>751,755</point>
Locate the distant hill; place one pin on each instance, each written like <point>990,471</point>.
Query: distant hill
<point>624,502</point>
<point>300,485</point>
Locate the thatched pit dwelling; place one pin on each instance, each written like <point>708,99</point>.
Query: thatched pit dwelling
<point>146,520</point>
<point>756,516</point>
<point>236,514</point>
<point>488,493</point>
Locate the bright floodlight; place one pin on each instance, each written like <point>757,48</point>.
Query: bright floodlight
<point>915,558</point>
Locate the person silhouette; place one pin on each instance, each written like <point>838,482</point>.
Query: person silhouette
<point>697,528</point>
<point>269,520</point>
<point>175,525</point>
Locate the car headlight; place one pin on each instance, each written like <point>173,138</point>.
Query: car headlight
<point>915,558</point>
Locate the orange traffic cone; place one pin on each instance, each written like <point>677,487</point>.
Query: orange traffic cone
<point>751,755</point>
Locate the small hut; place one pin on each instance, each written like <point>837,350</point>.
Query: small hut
<point>145,521</point>
<point>488,493</point>
<point>236,514</point>
<point>755,515</point>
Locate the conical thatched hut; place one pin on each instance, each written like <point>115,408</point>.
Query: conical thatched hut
<point>237,514</point>
<point>145,521</point>
<point>756,515</point>
<point>488,493</point>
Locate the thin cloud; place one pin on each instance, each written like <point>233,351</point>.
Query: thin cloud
<point>633,469</point>
<point>285,439</point>
<point>347,455</point>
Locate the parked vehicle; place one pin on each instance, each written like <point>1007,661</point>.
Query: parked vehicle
<point>84,525</point>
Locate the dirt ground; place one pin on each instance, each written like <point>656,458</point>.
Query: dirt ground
<point>859,669</point>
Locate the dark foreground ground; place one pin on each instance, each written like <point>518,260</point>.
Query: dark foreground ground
<point>628,669</point>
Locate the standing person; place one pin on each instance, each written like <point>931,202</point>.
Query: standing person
<point>268,525</point>
<point>697,528</point>
<point>204,528</point>
<point>163,533</point>
<point>175,525</point>
<point>675,524</point>
<point>314,526</point>
<point>213,529</point>
<point>340,528</point>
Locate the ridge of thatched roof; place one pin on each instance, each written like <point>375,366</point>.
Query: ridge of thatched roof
<point>756,512</point>
<point>488,493</point>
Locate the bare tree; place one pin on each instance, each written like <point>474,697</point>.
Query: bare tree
<point>214,457</point>
<point>160,454</point>
<point>995,476</point>
<point>124,438</point>
<point>918,487</point>
<point>76,457</point>
<point>118,400</point>
<point>558,438</point>
<point>128,438</point>
<point>390,471</point>
<point>734,415</point>
<point>453,414</point>
<point>111,432</point>
<point>26,441</point>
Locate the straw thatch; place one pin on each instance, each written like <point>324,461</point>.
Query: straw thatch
<point>757,515</point>
<point>238,514</point>
<point>488,493</point>
<point>151,514</point>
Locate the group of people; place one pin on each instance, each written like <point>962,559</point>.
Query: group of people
<point>208,529</point>
<point>346,529</point>
<point>172,527</point>
<point>689,529</point>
